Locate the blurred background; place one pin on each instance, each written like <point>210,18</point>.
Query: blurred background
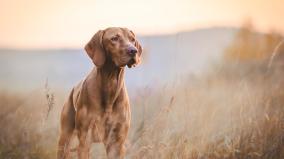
<point>211,78</point>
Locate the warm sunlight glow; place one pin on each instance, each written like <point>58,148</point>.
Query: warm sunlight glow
<point>53,24</point>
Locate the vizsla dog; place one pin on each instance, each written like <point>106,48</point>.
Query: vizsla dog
<point>98,108</point>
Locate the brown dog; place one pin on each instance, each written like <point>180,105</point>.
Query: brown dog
<point>98,107</point>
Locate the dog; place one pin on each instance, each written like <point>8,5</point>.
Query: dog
<point>97,109</point>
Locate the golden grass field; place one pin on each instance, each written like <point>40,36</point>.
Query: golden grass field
<point>223,114</point>
<point>235,110</point>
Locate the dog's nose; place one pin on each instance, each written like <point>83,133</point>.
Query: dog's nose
<point>132,51</point>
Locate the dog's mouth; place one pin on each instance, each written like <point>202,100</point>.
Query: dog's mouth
<point>131,63</point>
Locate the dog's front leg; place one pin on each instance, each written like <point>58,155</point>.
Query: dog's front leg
<point>115,143</point>
<point>115,151</point>
<point>84,146</point>
<point>83,128</point>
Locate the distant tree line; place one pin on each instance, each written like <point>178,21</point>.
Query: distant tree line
<point>250,45</point>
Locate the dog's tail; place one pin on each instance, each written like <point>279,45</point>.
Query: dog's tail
<point>67,127</point>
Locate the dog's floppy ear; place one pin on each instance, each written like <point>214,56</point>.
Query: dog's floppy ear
<point>95,49</point>
<point>138,46</point>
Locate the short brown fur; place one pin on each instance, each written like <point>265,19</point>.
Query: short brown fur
<point>98,107</point>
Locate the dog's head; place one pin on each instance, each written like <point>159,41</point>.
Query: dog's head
<point>116,44</point>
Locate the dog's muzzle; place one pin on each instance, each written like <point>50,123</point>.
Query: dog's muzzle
<point>132,62</point>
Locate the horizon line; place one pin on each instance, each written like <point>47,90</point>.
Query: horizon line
<point>70,48</point>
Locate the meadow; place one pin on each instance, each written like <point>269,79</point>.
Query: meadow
<point>234,110</point>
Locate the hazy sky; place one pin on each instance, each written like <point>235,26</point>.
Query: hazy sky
<point>71,23</point>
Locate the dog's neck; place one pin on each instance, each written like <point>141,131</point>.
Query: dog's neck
<point>109,72</point>
<point>111,80</point>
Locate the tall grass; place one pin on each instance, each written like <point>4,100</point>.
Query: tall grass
<point>226,114</point>
<point>232,111</point>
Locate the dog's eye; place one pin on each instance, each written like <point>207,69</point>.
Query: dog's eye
<point>132,39</point>
<point>115,38</point>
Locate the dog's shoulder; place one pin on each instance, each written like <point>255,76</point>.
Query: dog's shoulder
<point>76,93</point>
<point>80,89</point>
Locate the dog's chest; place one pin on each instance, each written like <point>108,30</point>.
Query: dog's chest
<point>110,86</point>
<point>109,126</point>
<point>109,91</point>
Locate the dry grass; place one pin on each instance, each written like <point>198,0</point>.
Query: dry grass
<point>234,111</point>
<point>222,115</point>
